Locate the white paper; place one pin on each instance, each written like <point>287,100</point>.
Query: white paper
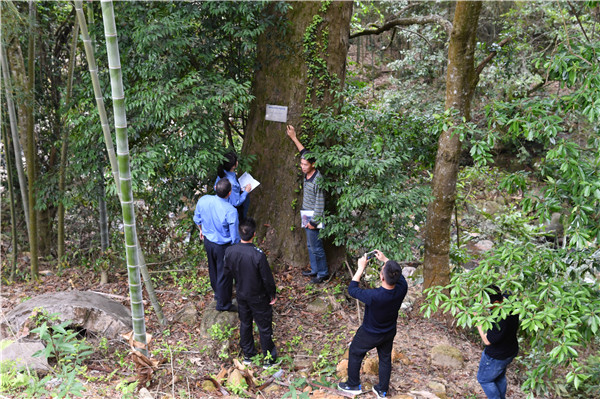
<point>276,113</point>
<point>246,179</point>
<point>306,216</point>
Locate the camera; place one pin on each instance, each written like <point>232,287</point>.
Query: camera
<point>370,255</point>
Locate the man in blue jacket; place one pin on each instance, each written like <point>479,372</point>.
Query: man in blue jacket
<point>378,330</point>
<point>255,291</point>
<point>217,221</point>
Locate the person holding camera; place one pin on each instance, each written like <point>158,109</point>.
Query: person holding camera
<point>378,329</point>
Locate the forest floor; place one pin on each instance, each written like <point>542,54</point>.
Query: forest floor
<point>310,345</point>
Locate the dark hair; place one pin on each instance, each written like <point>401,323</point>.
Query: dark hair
<point>307,155</point>
<point>227,164</point>
<point>494,293</point>
<point>392,272</point>
<point>223,187</point>
<point>247,229</point>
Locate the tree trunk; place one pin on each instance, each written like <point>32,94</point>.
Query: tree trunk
<point>459,81</point>
<point>282,78</point>
<point>30,102</point>
<point>63,149</point>
<point>11,196</point>
<point>14,129</point>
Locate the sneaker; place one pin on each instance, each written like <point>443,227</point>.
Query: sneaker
<point>318,280</point>
<point>379,394</point>
<point>308,273</point>
<point>247,361</point>
<point>267,364</point>
<point>353,390</point>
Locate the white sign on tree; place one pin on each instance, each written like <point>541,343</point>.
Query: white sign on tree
<point>276,113</point>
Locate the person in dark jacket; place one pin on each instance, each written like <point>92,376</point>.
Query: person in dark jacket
<point>501,347</point>
<point>378,329</point>
<point>255,291</point>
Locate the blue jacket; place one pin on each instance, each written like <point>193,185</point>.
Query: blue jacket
<point>238,196</point>
<point>218,219</point>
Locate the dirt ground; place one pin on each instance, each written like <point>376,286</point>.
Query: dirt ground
<point>310,345</point>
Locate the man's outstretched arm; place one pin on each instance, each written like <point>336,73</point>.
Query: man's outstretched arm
<point>291,132</point>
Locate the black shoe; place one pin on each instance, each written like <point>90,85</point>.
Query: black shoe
<point>379,394</point>
<point>353,390</point>
<point>308,273</point>
<point>318,280</point>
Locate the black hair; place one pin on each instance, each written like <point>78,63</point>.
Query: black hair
<point>247,229</point>
<point>392,272</point>
<point>307,155</point>
<point>227,164</point>
<point>223,187</point>
<point>494,293</point>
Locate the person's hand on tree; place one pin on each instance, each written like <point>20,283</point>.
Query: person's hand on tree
<point>291,132</point>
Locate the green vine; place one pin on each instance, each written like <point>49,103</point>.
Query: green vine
<point>319,80</point>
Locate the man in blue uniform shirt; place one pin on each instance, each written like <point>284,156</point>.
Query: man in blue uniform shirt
<point>378,329</point>
<point>255,291</point>
<point>217,221</point>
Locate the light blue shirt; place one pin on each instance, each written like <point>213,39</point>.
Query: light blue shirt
<point>238,196</point>
<point>218,219</point>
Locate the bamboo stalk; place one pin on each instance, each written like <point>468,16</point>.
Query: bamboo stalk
<point>127,205</point>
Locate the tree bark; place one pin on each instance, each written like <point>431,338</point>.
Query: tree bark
<point>459,81</point>
<point>281,78</point>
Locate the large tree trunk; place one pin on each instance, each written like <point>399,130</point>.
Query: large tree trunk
<point>459,81</point>
<point>282,79</point>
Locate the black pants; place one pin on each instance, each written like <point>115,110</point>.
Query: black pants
<point>221,283</point>
<point>362,343</point>
<point>262,313</point>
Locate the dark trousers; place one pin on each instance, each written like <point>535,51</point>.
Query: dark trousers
<point>362,343</point>
<point>220,282</point>
<point>262,313</point>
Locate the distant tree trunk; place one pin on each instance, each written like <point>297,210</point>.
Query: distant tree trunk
<point>63,150</point>
<point>11,196</point>
<point>282,79</point>
<point>103,221</point>
<point>14,129</point>
<point>33,239</point>
<point>459,82</point>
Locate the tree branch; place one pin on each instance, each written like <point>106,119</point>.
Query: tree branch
<point>425,20</point>
<point>490,57</point>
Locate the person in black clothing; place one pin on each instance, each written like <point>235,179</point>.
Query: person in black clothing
<point>501,347</point>
<point>255,291</point>
<point>378,330</point>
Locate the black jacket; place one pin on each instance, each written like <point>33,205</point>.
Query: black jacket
<point>503,338</point>
<point>250,269</point>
